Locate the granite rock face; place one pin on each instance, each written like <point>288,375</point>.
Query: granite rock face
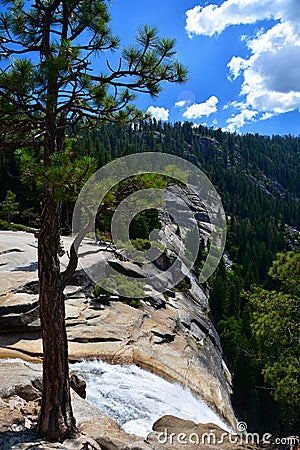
<point>169,335</point>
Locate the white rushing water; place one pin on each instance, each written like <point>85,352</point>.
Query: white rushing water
<point>136,398</point>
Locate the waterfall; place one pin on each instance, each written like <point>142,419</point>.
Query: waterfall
<point>136,398</point>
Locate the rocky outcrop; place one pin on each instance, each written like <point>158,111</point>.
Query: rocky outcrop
<point>170,432</point>
<point>19,311</point>
<point>169,335</point>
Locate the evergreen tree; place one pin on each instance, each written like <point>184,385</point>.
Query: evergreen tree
<point>9,207</point>
<point>48,91</point>
<point>275,324</point>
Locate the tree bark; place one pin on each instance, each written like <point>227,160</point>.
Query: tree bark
<point>56,421</point>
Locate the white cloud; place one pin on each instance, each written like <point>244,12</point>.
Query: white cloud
<point>238,121</point>
<point>158,113</point>
<point>266,116</point>
<point>236,66</point>
<point>271,73</point>
<point>198,110</point>
<point>181,103</point>
<point>235,104</point>
<point>212,19</point>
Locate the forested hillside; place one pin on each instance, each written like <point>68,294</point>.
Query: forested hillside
<point>258,180</point>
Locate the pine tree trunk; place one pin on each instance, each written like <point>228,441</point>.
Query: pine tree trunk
<point>56,421</point>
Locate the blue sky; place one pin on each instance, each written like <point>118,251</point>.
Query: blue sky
<point>243,57</point>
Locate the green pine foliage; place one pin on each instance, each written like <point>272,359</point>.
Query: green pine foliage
<point>275,319</point>
<point>130,292</point>
<point>9,208</point>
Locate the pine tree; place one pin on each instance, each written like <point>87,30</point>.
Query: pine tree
<point>275,324</point>
<point>9,207</point>
<point>48,92</point>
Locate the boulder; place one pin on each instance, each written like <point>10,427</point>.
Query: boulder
<point>173,424</point>
<point>111,436</point>
<point>21,380</point>
<point>78,384</point>
<point>170,432</point>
